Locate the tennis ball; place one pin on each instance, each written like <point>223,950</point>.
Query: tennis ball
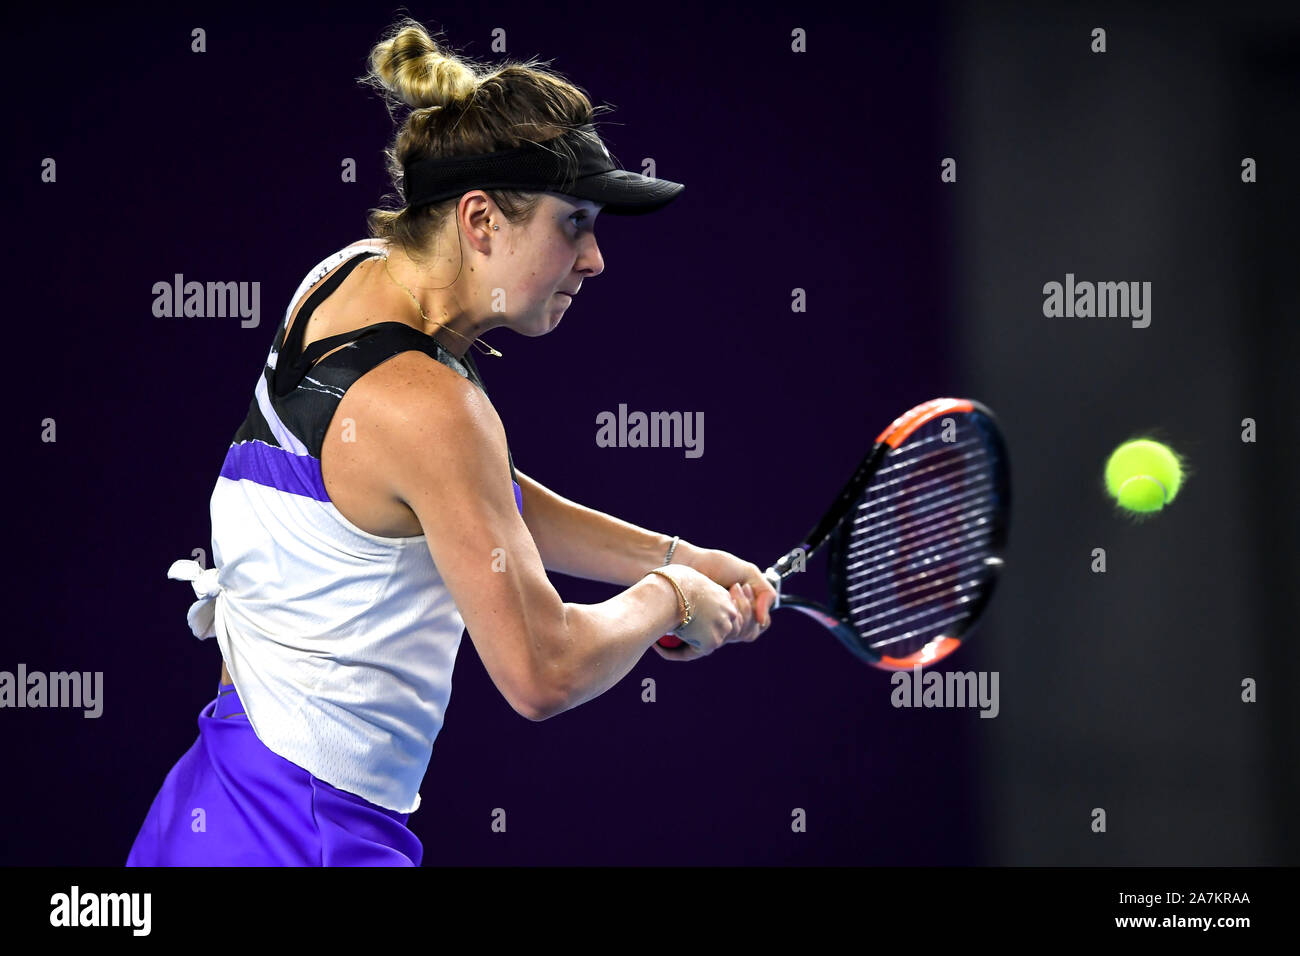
<point>1143,475</point>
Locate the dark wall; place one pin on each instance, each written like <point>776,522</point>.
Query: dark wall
<point>1123,690</point>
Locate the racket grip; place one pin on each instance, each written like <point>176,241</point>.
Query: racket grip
<point>670,640</point>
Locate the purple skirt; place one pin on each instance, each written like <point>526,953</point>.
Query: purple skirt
<point>231,801</point>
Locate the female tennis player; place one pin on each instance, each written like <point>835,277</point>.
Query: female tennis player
<point>368,510</point>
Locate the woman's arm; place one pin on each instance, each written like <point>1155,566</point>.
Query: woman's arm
<point>580,541</point>
<point>573,539</point>
<point>545,655</point>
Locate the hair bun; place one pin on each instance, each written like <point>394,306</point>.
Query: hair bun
<point>411,68</point>
<point>499,106</point>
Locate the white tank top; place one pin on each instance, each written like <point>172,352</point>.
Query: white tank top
<point>340,643</point>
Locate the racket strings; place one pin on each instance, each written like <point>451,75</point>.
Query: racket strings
<point>879,490</point>
<point>954,579</point>
<point>931,627</point>
<point>919,544</point>
<point>894,580</point>
<point>920,527</point>
<point>916,450</point>
<point>924,529</point>
<point>910,499</point>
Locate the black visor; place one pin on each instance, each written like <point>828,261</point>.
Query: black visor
<point>539,167</point>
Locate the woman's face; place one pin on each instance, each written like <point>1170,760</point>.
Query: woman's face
<point>553,253</point>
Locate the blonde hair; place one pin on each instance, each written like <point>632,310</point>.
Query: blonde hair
<point>462,108</point>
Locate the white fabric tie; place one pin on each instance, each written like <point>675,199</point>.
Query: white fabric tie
<point>202,613</point>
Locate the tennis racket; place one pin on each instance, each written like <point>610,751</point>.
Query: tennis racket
<point>915,537</point>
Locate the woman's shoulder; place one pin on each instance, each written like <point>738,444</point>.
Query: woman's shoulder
<point>414,401</point>
<point>416,375</point>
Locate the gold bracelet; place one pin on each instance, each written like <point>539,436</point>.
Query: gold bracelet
<point>689,611</point>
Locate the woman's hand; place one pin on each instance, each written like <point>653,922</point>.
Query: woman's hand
<point>727,569</point>
<point>717,615</point>
<point>752,593</point>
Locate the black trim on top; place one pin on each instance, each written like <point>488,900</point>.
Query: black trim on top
<point>284,381</point>
<point>307,411</point>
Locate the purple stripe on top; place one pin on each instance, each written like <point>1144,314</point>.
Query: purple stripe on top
<point>276,468</point>
<point>296,474</point>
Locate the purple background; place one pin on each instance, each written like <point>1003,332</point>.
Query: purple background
<point>225,166</point>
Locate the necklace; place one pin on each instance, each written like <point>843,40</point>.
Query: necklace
<point>481,346</point>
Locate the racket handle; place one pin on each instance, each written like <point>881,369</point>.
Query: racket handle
<point>670,640</point>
